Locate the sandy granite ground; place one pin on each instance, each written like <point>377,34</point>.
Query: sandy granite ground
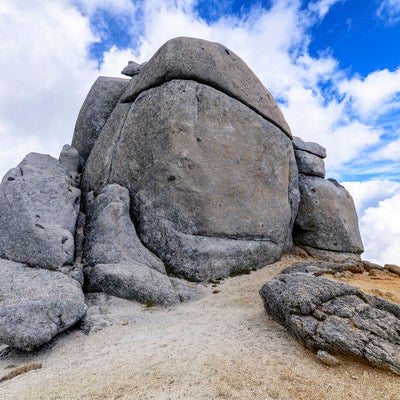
<point>222,346</point>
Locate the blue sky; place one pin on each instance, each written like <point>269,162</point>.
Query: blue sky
<point>332,65</point>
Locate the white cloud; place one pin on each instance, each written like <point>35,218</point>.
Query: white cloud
<point>115,60</point>
<point>390,151</point>
<point>313,119</point>
<point>45,74</point>
<point>378,207</point>
<point>371,96</point>
<point>381,231</point>
<point>370,193</point>
<point>389,11</point>
<point>113,6</point>
<point>323,6</point>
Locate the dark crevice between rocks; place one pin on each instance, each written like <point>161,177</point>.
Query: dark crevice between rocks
<point>213,85</point>
<point>296,232</point>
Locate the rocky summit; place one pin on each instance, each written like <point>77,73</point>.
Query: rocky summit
<point>184,173</point>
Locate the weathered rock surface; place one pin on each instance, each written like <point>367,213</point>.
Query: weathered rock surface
<point>323,267</point>
<point>71,160</point>
<point>135,281</point>
<point>326,219</point>
<point>111,236</point>
<point>98,165</point>
<point>310,164</point>
<point>335,317</point>
<point>120,264</point>
<point>100,102</point>
<point>212,64</point>
<point>193,175</point>
<point>39,205</point>
<point>309,147</point>
<point>36,305</point>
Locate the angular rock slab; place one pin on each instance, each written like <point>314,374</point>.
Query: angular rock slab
<point>36,305</point>
<point>111,236</point>
<point>98,165</point>
<point>39,205</point>
<point>199,163</point>
<point>209,63</point>
<point>99,104</point>
<point>327,219</point>
<point>335,317</point>
<point>309,147</point>
<point>310,164</point>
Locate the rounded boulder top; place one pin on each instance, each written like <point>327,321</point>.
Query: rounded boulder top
<point>208,63</point>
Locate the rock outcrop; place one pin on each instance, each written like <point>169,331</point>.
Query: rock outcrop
<point>36,304</point>
<point>117,261</point>
<point>211,64</point>
<point>39,205</point>
<point>326,224</point>
<point>186,170</point>
<point>99,104</point>
<point>213,180</point>
<point>335,317</point>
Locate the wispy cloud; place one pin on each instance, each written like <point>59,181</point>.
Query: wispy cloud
<point>389,11</point>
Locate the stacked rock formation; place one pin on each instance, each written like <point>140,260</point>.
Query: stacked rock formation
<point>186,170</point>
<point>326,224</point>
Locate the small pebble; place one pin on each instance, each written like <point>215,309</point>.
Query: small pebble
<point>328,359</point>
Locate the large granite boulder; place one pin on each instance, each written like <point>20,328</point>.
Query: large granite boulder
<point>335,317</point>
<point>213,65</point>
<point>213,184</point>
<point>326,222</point>
<point>99,103</point>
<point>39,205</point>
<point>36,304</point>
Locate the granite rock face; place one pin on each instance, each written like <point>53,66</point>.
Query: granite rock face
<point>99,103</point>
<point>118,263</point>
<point>327,219</point>
<point>310,164</point>
<point>39,205</point>
<point>202,177</point>
<point>213,65</point>
<point>36,304</point>
<point>335,317</point>
<point>309,147</point>
<point>111,236</point>
<point>135,281</point>
<point>326,224</point>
